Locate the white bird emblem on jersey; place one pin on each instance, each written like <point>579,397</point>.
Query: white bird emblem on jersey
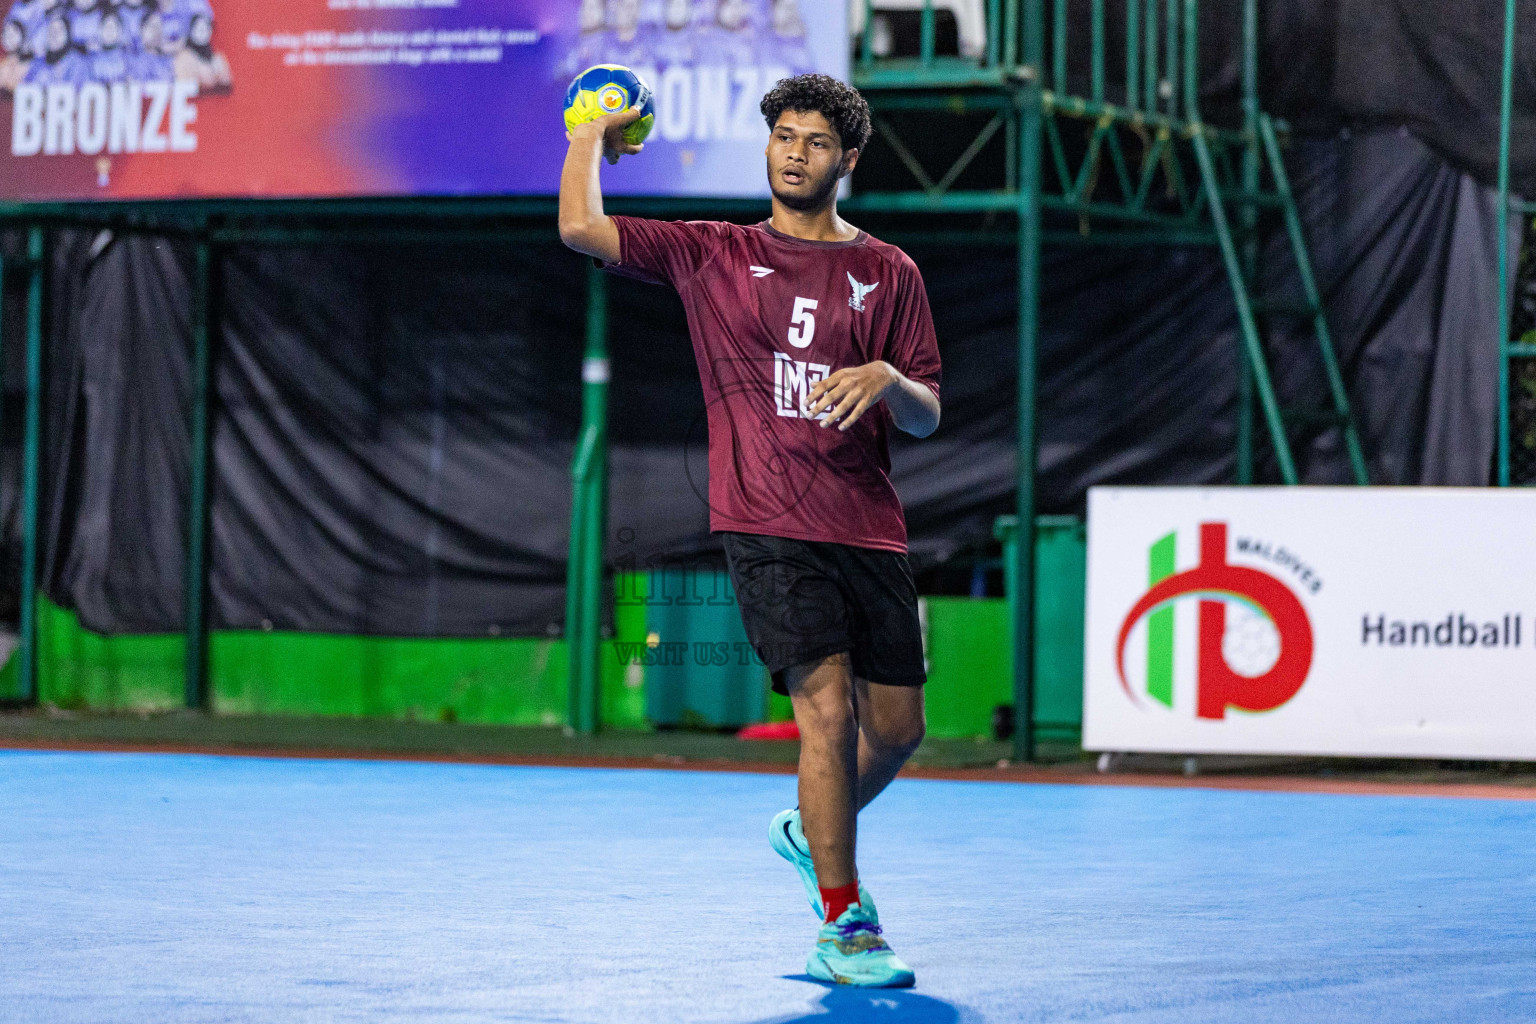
<point>860,290</point>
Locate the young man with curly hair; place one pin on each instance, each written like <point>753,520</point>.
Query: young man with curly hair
<point>813,339</point>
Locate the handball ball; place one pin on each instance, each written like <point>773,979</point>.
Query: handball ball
<point>608,89</point>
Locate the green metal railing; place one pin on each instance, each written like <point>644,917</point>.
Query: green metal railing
<point>1509,208</point>
<point>195,588</point>
<point>589,515</point>
<point>1155,61</point>
<point>30,462</point>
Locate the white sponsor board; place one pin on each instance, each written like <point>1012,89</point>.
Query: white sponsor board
<point>1349,621</point>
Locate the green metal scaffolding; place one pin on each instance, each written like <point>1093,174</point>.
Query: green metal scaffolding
<point>1509,208</point>
<point>1150,168</point>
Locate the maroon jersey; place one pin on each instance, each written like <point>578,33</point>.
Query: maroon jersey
<point>769,316</point>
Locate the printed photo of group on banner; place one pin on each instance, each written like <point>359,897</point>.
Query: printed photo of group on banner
<point>708,64</point>
<point>729,32</point>
<point>624,16</point>
<point>73,42</point>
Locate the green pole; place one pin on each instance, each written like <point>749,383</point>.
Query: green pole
<point>1058,45</point>
<point>1031,122</point>
<point>1096,44</point>
<point>27,643</point>
<point>594,528</point>
<point>994,31</point>
<point>584,576</point>
<point>594,372</point>
<point>1506,89</point>
<point>1011,32</point>
<point>1250,223</point>
<point>196,582</point>
<point>2,333</point>
<point>1172,55</point>
<point>927,33</point>
<point>1191,58</point>
<point>2,328</point>
<point>1133,54</point>
<point>866,38</point>
<point>575,577</point>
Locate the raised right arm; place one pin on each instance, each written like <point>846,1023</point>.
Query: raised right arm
<point>583,225</point>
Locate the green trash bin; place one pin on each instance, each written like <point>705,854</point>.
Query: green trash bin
<point>1061,576</point>
<point>701,672</point>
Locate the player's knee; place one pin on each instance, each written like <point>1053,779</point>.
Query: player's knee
<point>894,721</point>
<point>826,716</point>
<point>905,736</point>
<point>828,721</point>
<point>916,735</point>
<point>822,693</point>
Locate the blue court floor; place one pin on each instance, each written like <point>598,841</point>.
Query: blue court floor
<point>172,888</point>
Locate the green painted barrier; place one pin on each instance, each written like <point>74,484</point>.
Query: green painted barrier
<point>700,670</point>
<point>511,681</point>
<point>968,664</point>
<point>1061,578</point>
<point>522,681</point>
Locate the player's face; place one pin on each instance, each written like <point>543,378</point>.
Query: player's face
<point>805,160</point>
<point>58,36</point>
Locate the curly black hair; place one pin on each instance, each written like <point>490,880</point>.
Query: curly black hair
<point>842,106</point>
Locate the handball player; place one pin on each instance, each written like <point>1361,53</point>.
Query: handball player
<point>813,340</point>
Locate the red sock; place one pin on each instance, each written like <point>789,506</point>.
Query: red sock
<point>839,898</point>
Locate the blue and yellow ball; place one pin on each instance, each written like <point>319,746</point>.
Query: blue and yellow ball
<point>608,89</point>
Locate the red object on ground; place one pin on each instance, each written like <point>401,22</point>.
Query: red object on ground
<point>770,731</point>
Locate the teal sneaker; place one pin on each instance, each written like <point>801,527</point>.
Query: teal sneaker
<point>850,951</point>
<point>788,841</point>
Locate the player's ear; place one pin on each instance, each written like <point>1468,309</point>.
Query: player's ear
<point>850,158</point>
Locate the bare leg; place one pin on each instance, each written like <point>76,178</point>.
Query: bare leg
<point>891,725</point>
<point>822,695</point>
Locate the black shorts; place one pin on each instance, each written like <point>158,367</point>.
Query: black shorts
<point>802,600</point>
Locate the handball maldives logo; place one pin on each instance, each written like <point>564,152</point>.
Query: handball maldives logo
<point>1267,634</point>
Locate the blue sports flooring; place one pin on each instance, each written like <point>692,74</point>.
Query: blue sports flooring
<point>172,888</point>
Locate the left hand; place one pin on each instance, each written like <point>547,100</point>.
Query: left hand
<point>849,392</point>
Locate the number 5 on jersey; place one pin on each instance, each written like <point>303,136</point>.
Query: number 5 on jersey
<point>802,325</point>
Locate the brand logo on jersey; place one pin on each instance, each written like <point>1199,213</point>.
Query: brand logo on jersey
<point>792,382</point>
<point>860,291</point>
<point>761,271</point>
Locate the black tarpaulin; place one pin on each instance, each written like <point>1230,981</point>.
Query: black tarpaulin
<point>389,453</point>
<point>1437,67</point>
